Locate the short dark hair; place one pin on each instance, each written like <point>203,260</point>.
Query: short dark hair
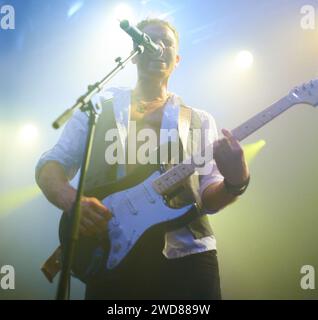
<point>151,21</point>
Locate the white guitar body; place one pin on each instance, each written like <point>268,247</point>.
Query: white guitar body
<point>134,211</point>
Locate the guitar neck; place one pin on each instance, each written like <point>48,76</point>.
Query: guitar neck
<point>173,177</point>
<point>253,124</point>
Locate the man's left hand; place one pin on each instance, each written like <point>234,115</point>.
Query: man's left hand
<point>230,159</point>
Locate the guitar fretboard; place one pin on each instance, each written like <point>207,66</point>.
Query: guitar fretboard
<point>259,120</point>
<point>171,179</point>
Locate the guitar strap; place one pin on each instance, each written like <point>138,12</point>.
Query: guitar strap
<point>185,126</point>
<point>184,122</point>
<point>189,120</point>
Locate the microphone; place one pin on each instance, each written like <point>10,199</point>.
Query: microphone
<point>141,38</point>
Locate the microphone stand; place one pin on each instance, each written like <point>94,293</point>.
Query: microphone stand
<point>85,105</point>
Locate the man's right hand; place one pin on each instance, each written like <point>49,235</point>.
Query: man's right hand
<point>55,185</point>
<point>94,217</point>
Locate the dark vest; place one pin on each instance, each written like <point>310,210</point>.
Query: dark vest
<point>101,173</point>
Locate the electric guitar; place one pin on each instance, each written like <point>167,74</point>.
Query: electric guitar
<point>136,208</point>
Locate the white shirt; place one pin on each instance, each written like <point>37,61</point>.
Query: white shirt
<point>70,148</point>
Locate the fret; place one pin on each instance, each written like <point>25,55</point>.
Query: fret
<point>171,179</point>
<point>259,120</point>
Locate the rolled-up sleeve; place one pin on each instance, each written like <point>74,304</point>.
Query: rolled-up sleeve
<point>69,149</point>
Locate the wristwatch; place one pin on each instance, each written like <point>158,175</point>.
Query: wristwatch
<point>236,190</point>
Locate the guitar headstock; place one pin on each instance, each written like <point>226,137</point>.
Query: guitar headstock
<point>306,93</point>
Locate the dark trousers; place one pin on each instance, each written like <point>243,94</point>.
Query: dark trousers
<point>146,274</point>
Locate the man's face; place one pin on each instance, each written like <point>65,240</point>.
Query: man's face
<point>149,65</point>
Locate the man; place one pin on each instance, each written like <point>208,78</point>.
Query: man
<point>182,263</point>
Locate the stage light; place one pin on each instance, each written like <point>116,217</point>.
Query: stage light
<point>124,11</point>
<point>28,134</point>
<point>14,199</point>
<point>74,8</point>
<point>244,60</point>
<point>252,149</point>
<point>121,43</point>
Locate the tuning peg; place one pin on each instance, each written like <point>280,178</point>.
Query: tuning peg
<point>304,87</point>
